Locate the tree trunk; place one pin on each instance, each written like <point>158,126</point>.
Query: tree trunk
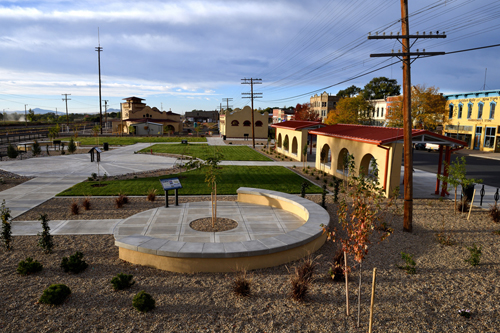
<point>359,293</point>
<point>346,284</point>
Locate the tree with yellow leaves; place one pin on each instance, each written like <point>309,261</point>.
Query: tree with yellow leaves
<point>350,110</point>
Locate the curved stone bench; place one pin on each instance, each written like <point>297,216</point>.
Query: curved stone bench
<point>233,256</point>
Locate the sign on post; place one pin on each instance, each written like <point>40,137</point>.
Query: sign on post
<point>171,184</point>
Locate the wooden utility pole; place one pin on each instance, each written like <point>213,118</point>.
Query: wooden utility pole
<point>227,100</point>
<point>105,112</point>
<point>66,100</point>
<point>252,96</point>
<point>405,57</point>
<point>99,49</point>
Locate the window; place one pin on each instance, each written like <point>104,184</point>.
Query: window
<point>460,107</point>
<point>235,123</point>
<point>489,137</point>
<point>381,112</point>
<point>377,112</point>
<point>469,110</point>
<point>247,123</point>
<point>323,104</point>
<point>450,111</point>
<point>480,110</point>
<point>492,110</point>
<point>323,113</point>
<point>258,123</point>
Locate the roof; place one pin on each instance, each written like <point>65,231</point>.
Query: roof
<point>133,98</point>
<point>382,135</point>
<point>297,124</point>
<point>151,120</point>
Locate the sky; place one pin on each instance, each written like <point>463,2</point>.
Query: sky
<point>185,55</point>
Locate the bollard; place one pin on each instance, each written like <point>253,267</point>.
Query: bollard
<point>496,197</point>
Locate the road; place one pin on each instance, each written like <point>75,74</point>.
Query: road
<point>479,168</point>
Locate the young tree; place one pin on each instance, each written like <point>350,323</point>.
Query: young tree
<point>381,87</point>
<point>427,108</point>
<point>305,112</point>
<point>6,227</point>
<point>212,175</point>
<point>71,146</point>
<point>350,110</point>
<point>304,154</point>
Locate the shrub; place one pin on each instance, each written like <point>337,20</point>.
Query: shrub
<point>11,151</point>
<point>495,213</point>
<point>151,195</point>
<point>105,176</point>
<point>45,240</point>
<point>475,255</point>
<point>317,177</point>
<point>93,175</point>
<point>35,148</point>
<point>55,294</point>
<point>303,188</point>
<point>241,284</point>
<point>336,271</point>
<point>119,201</point>
<point>323,197</point>
<point>29,266</point>
<point>75,210</point>
<point>124,198</point>
<point>71,146</point>
<point>6,227</point>
<point>143,302</point>
<point>299,288</point>
<point>410,264</point>
<point>306,270</point>
<point>74,264</point>
<point>122,281</point>
<point>86,203</point>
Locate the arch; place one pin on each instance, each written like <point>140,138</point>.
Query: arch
<point>279,140</point>
<point>247,123</point>
<point>326,153</point>
<point>367,166</point>
<point>258,123</point>
<point>235,123</point>
<point>169,128</point>
<point>294,145</point>
<point>342,165</point>
<point>286,143</point>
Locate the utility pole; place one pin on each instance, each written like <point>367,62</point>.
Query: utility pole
<point>25,115</point>
<point>66,99</point>
<point>253,95</point>
<point>227,100</point>
<point>405,57</point>
<point>99,49</point>
<point>105,112</point>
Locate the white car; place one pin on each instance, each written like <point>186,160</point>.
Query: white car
<point>431,146</point>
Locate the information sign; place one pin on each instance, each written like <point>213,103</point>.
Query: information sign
<point>170,184</point>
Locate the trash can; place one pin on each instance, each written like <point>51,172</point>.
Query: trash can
<point>223,137</point>
<point>105,146</point>
<point>468,192</point>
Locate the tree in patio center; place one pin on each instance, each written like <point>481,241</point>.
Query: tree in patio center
<point>212,175</point>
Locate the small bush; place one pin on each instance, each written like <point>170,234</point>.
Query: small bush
<point>119,201</point>
<point>93,175</point>
<point>74,264</point>
<point>29,266</point>
<point>143,302</point>
<point>122,281</point>
<point>151,195</point>
<point>35,148</point>
<point>105,176</point>
<point>55,294</point>
<point>306,270</point>
<point>241,284</point>
<point>336,271</point>
<point>299,288</point>
<point>410,264</point>
<point>86,203</point>
<point>75,209</point>
<point>475,255</point>
<point>45,240</point>
<point>6,227</point>
<point>71,146</point>
<point>303,188</point>
<point>495,213</point>
<point>11,151</point>
<point>124,198</point>
<point>317,177</point>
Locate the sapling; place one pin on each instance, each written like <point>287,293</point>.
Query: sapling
<point>6,227</point>
<point>45,240</point>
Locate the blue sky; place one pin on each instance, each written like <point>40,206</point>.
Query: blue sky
<point>184,55</point>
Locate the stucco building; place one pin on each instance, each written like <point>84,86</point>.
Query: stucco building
<point>323,104</point>
<point>202,116</point>
<point>293,136</point>
<point>136,113</point>
<point>238,124</point>
<point>472,117</point>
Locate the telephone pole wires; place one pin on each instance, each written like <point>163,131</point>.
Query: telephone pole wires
<point>253,95</point>
<point>406,58</point>
<point>99,50</point>
<point>66,99</point>
<point>227,100</point>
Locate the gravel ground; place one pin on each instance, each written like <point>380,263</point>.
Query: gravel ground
<point>9,179</point>
<point>425,302</point>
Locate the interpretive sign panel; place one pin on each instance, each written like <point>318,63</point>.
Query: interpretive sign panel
<point>170,184</point>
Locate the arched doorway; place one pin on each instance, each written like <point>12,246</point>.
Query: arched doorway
<point>294,146</point>
<point>326,156</point>
<point>279,140</point>
<point>367,166</point>
<point>342,162</point>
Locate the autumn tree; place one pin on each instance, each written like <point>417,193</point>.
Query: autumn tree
<point>350,110</point>
<point>305,112</point>
<point>381,87</point>
<point>349,92</point>
<point>427,108</point>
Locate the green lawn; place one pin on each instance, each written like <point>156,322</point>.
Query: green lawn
<point>275,178</point>
<point>230,153</point>
<point>130,140</point>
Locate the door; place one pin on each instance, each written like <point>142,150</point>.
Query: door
<point>477,138</point>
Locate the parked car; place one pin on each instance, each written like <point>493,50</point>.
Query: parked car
<point>420,146</point>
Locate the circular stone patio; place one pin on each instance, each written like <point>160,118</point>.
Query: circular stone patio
<point>273,228</point>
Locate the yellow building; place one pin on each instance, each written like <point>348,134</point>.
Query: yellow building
<point>292,136</point>
<point>238,124</point>
<point>323,104</point>
<point>135,112</point>
<point>471,117</point>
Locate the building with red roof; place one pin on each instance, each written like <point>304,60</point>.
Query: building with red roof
<point>292,136</point>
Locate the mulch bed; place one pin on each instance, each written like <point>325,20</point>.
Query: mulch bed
<point>221,224</point>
